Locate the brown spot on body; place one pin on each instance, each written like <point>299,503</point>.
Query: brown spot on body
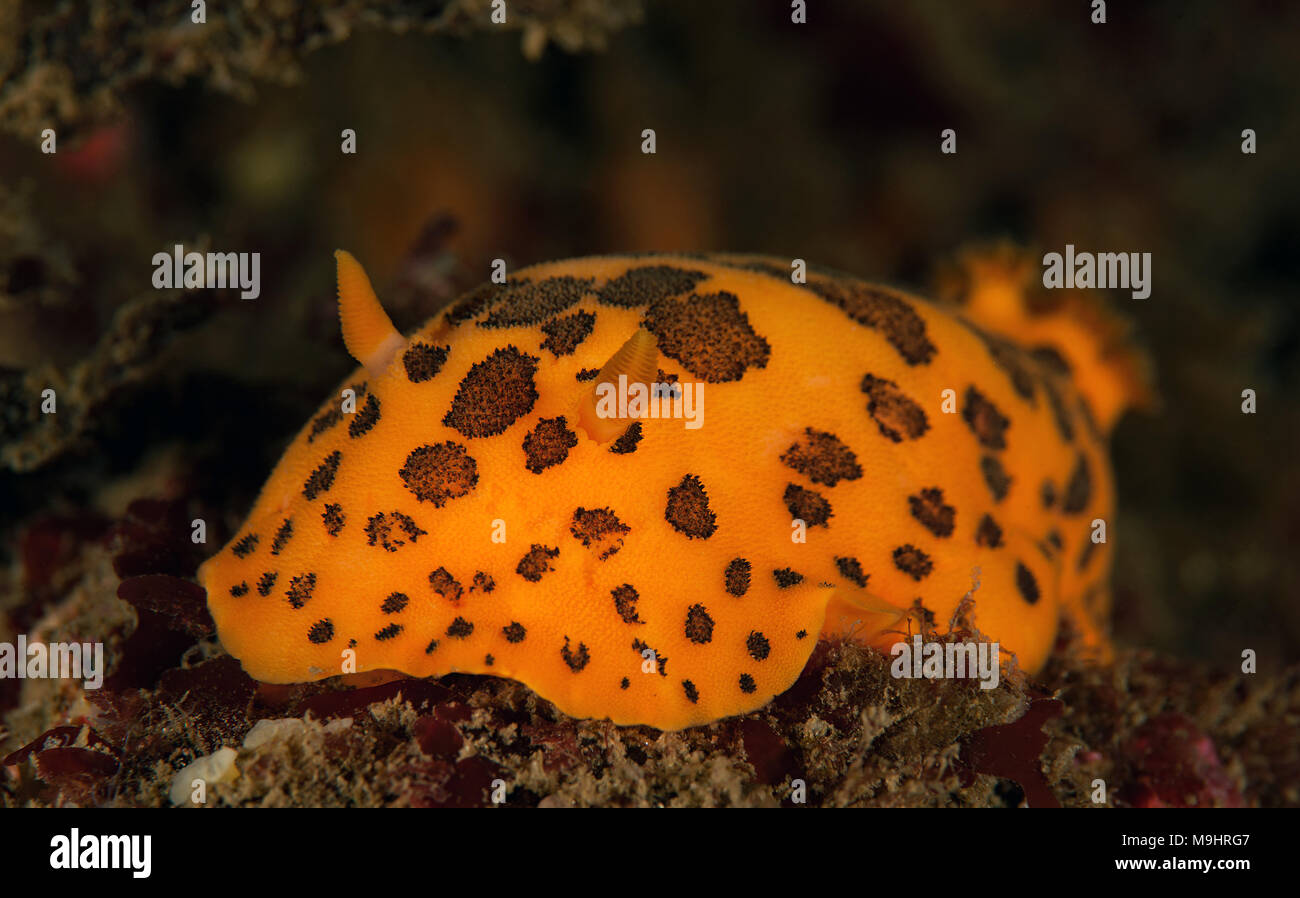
<point>576,660</point>
<point>388,632</point>
<point>536,562</point>
<point>880,310</point>
<point>564,335</point>
<point>322,478</point>
<point>282,536</point>
<point>1060,413</point>
<point>747,684</point>
<point>334,518</point>
<point>321,632</point>
<point>822,458</point>
<point>483,582</point>
<point>266,583</point>
<point>985,421</point>
<point>514,632</point>
<point>494,394</point>
<point>439,472</point>
<point>1048,492</point>
<point>548,444</point>
<point>688,509</point>
<point>1027,584</point>
<point>784,275</point>
<point>1085,554</point>
<point>786,577</point>
<point>1078,490</point>
<point>387,530</point>
<point>851,569</point>
<point>479,300</point>
<point>599,527</point>
<point>395,603</point>
<point>922,615</point>
<point>245,546</point>
<point>586,374</point>
<point>807,505</point>
<point>422,361</point>
<point>365,418</point>
<point>431,647</point>
<point>239,589</point>
<point>626,443</point>
<point>929,509</point>
<point>897,416</point>
<point>757,646</point>
<point>699,625</point>
<point>525,302</point>
<point>1010,358</point>
<point>460,628</point>
<point>624,683</point>
<point>996,476</point>
<point>323,422</point>
<point>445,585</point>
<point>300,590</point>
<point>625,599</point>
<point>1090,420</point>
<point>913,562</point>
<point>988,534</point>
<point>709,335</point>
<point>647,284</point>
<point>1050,358</point>
<point>661,661</point>
<point>665,386</point>
<point>692,694</point>
<point>737,576</point>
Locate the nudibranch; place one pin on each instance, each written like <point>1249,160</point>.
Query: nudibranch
<point>466,501</point>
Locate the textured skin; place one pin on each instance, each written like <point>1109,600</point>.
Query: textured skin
<point>909,489</point>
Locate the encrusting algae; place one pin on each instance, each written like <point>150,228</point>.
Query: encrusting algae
<point>467,503</point>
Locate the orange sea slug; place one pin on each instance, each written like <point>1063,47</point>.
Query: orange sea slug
<point>459,505</point>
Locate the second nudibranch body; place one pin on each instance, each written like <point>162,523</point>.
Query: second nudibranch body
<point>862,458</point>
